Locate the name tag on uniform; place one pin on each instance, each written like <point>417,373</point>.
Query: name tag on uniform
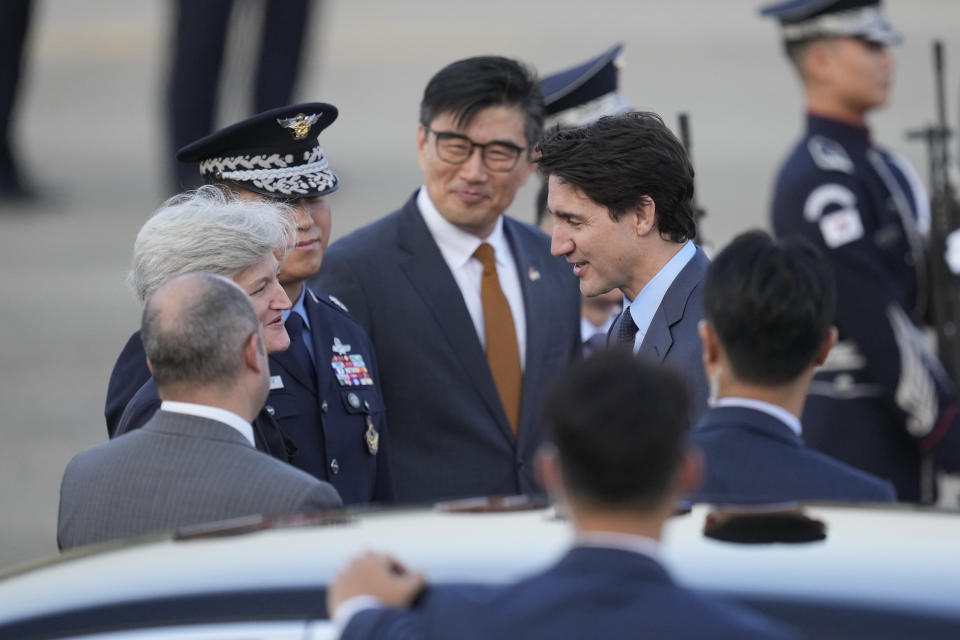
<point>276,382</point>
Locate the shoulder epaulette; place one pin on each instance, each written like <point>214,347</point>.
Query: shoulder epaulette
<point>336,301</point>
<point>829,155</point>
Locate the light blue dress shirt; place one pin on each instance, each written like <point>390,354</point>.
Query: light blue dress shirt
<point>645,306</point>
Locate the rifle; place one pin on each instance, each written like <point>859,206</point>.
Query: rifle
<point>944,262</point>
<point>698,212</point>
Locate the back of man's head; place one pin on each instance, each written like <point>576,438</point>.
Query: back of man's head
<point>207,230</point>
<point>619,426</point>
<point>771,304</point>
<point>622,162</point>
<point>466,87</point>
<point>194,331</point>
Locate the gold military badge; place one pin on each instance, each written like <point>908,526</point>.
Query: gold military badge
<point>299,125</point>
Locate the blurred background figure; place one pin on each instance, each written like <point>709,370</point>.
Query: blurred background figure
<point>14,25</point>
<point>882,401</point>
<point>276,31</point>
<point>768,309</point>
<point>572,98</point>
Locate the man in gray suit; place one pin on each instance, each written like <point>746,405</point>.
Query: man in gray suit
<point>621,193</point>
<point>194,461</point>
<point>469,314</point>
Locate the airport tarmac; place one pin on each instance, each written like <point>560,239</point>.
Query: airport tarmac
<point>90,129</point>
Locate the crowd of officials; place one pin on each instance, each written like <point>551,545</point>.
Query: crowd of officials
<point>446,351</point>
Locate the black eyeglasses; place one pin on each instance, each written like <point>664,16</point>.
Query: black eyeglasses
<point>457,149</point>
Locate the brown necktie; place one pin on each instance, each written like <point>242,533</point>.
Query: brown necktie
<point>503,355</point>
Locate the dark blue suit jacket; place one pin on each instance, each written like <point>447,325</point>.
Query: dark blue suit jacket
<point>448,431</point>
<point>673,337</point>
<point>752,457</point>
<point>329,422</point>
<point>590,593</point>
<point>129,373</point>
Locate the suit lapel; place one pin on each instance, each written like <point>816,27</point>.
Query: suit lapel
<point>659,337</point>
<point>288,363</point>
<point>425,268</point>
<point>322,340</point>
<point>286,360</point>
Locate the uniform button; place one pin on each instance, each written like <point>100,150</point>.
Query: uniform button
<point>270,409</point>
<point>354,400</point>
<point>334,466</point>
<point>323,406</point>
<point>366,405</point>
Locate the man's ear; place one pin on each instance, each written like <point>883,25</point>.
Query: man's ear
<point>711,347</point>
<point>547,465</point>
<point>645,217</point>
<point>252,349</point>
<point>828,343</point>
<point>149,366</point>
<point>422,135</point>
<point>817,61</point>
<point>689,474</point>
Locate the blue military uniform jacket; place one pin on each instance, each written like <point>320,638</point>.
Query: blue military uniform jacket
<point>882,401</point>
<point>339,426</point>
<point>592,592</point>
<point>751,457</point>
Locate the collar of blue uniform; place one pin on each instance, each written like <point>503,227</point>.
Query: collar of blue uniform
<point>839,131</point>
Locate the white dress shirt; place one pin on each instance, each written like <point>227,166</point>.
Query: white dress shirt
<point>457,247</point>
<point>773,410</point>
<point>645,306</point>
<point>211,413</point>
<point>621,541</point>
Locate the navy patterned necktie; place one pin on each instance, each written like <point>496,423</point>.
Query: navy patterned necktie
<point>298,348</point>
<point>624,330</point>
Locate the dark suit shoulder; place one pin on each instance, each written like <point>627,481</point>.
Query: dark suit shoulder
<point>128,375</point>
<point>142,406</point>
<point>751,457</point>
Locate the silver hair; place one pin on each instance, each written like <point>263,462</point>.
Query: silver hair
<point>196,335</point>
<point>208,230</point>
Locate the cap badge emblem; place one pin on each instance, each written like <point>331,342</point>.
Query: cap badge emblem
<point>299,125</point>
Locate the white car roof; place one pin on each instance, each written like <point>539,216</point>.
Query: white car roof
<point>901,556</point>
